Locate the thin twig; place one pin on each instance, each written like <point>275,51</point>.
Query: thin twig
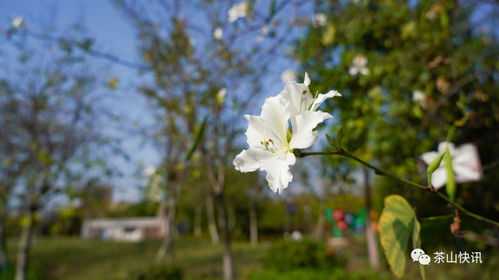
<point>342,152</point>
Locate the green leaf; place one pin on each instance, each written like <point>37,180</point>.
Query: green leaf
<point>451,182</point>
<point>433,166</point>
<point>329,34</point>
<point>339,137</point>
<point>396,225</point>
<point>199,135</point>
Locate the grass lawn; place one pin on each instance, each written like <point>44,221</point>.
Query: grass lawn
<point>63,258</point>
<point>76,259</point>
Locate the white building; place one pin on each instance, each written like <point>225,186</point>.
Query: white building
<point>123,229</point>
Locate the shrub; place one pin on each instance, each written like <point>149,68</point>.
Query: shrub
<point>158,272</point>
<point>289,254</point>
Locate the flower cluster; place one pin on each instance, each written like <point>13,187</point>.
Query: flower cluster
<point>239,10</point>
<point>271,140</point>
<point>359,66</point>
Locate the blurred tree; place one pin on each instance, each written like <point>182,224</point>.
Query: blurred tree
<point>206,60</point>
<point>408,71</point>
<point>11,168</point>
<point>50,106</point>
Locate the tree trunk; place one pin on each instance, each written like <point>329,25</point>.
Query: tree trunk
<point>198,212</point>
<point>4,262</point>
<point>210,215</point>
<point>24,247</point>
<point>371,238</point>
<point>167,250</point>
<point>253,219</point>
<point>224,229</point>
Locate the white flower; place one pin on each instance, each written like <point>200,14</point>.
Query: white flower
<point>419,97</point>
<point>271,143</point>
<point>221,95</point>
<point>465,164</point>
<point>218,33</point>
<point>150,170</point>
<point>358,66</point>
<point>319,19</point>
<point>17,22</point>
<point>288,75</point>
<point>192,41</point>
<point>264,31</point>
<point>237,11</point>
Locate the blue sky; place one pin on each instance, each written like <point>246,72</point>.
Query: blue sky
<point>113,35</point>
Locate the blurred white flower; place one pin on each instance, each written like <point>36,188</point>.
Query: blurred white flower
<point>17,22</point>
<point>270,141</point>
<point>221,95</point>
<point>359,66</point>
<point>264,31</point>
<point>465,164</point>
<point>192,41</point>
<point>218,33</point>
<point>239,10</point>
<point>419,97</point>
<point>150,170</point>
<point>319,19</point>
<point>153,189</point>
<point>288,75</point>
<point>296,235</point>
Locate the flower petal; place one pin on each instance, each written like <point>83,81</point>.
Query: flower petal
<point>443,145</point>
<point>306,80</point>
<point>296,97</point>
<point>353,70</point>
<point>277,168</point>
<point>251,159</point>
<point>465,173</point>
<point>276,165</point>
<point>439,178</point>
<point>466,153</point>
<point>323,97</point>
<point>429,157</point>
<point>271,124</point>
<point>303,135</point>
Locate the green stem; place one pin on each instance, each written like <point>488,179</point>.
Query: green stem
<point>434,218</point>
<point>378,171</point>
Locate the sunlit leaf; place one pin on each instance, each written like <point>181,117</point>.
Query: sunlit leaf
<point>199,135</point>
<point>397,224</point>
<point>329,34</point>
